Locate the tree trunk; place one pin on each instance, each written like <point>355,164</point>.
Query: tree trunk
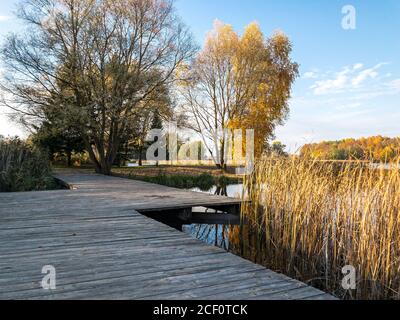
<point>102,165</point>
<point>92,155</point>
<point>69,159</point>
<point>140,156</point>
<point>222,163</point>
<point>106,169</point>
<point>102,159</point>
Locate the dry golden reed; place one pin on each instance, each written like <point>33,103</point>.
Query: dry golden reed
<point>309,219</point>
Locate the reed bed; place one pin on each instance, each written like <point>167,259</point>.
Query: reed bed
<point>309,219</point>
<point>23,167</point>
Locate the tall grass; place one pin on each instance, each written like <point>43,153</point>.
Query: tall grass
<point>23,168</point>
<point>310,219</point>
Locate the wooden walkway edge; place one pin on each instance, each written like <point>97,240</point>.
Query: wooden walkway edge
<point>103,248</point>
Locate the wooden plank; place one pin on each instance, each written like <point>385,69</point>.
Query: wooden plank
<point>103,248</point>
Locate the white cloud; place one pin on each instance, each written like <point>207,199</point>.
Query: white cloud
<point>338,83</point>
<point>349,78</point>
<point>363,76</point>
<point>358,66</point>
<point>310,75</point>
<point>354,101</point>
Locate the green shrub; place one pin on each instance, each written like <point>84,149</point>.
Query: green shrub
<point>204,181</point>
<point>23,168</point>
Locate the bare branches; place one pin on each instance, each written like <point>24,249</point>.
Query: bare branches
<point>100,59</point>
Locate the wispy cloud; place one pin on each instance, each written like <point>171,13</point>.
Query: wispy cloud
<point>354,101</point>
<point>335,84</point>
<point>310,75</point>
<point>350,77</point>
<point>363,76</point>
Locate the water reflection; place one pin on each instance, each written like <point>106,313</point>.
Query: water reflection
<point>232,190</point>
<point>217,235</point>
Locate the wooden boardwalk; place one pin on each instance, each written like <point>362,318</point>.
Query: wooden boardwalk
<point>103,248</point>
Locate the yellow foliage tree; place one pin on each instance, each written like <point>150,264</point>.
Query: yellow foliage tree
<point>270,77</point>
<point>240,83</point>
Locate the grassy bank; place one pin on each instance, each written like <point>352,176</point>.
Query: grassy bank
<point>308,220</point>
<point>203,178</point>
<point>23,168</point>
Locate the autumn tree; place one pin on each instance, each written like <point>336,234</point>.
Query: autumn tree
<point>268,82</point>
<point>377,148</point>
<point>238,83</point>
<point>96,62</point>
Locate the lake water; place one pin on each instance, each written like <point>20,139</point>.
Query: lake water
<point>214,234</point>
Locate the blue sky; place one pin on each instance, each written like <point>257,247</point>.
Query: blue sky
<point>350,79</point>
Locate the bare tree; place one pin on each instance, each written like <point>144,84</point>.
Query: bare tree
<point>96,62</point>
<point>209,92</point>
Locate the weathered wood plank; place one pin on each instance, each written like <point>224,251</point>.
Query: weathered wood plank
<point>103,248</point>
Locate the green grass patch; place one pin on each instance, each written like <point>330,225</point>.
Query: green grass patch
<point>204,181</point>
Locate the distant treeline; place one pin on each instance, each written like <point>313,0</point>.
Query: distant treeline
<point>378,149</point>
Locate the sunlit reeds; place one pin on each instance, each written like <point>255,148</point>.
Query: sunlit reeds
<point>309,219</point>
